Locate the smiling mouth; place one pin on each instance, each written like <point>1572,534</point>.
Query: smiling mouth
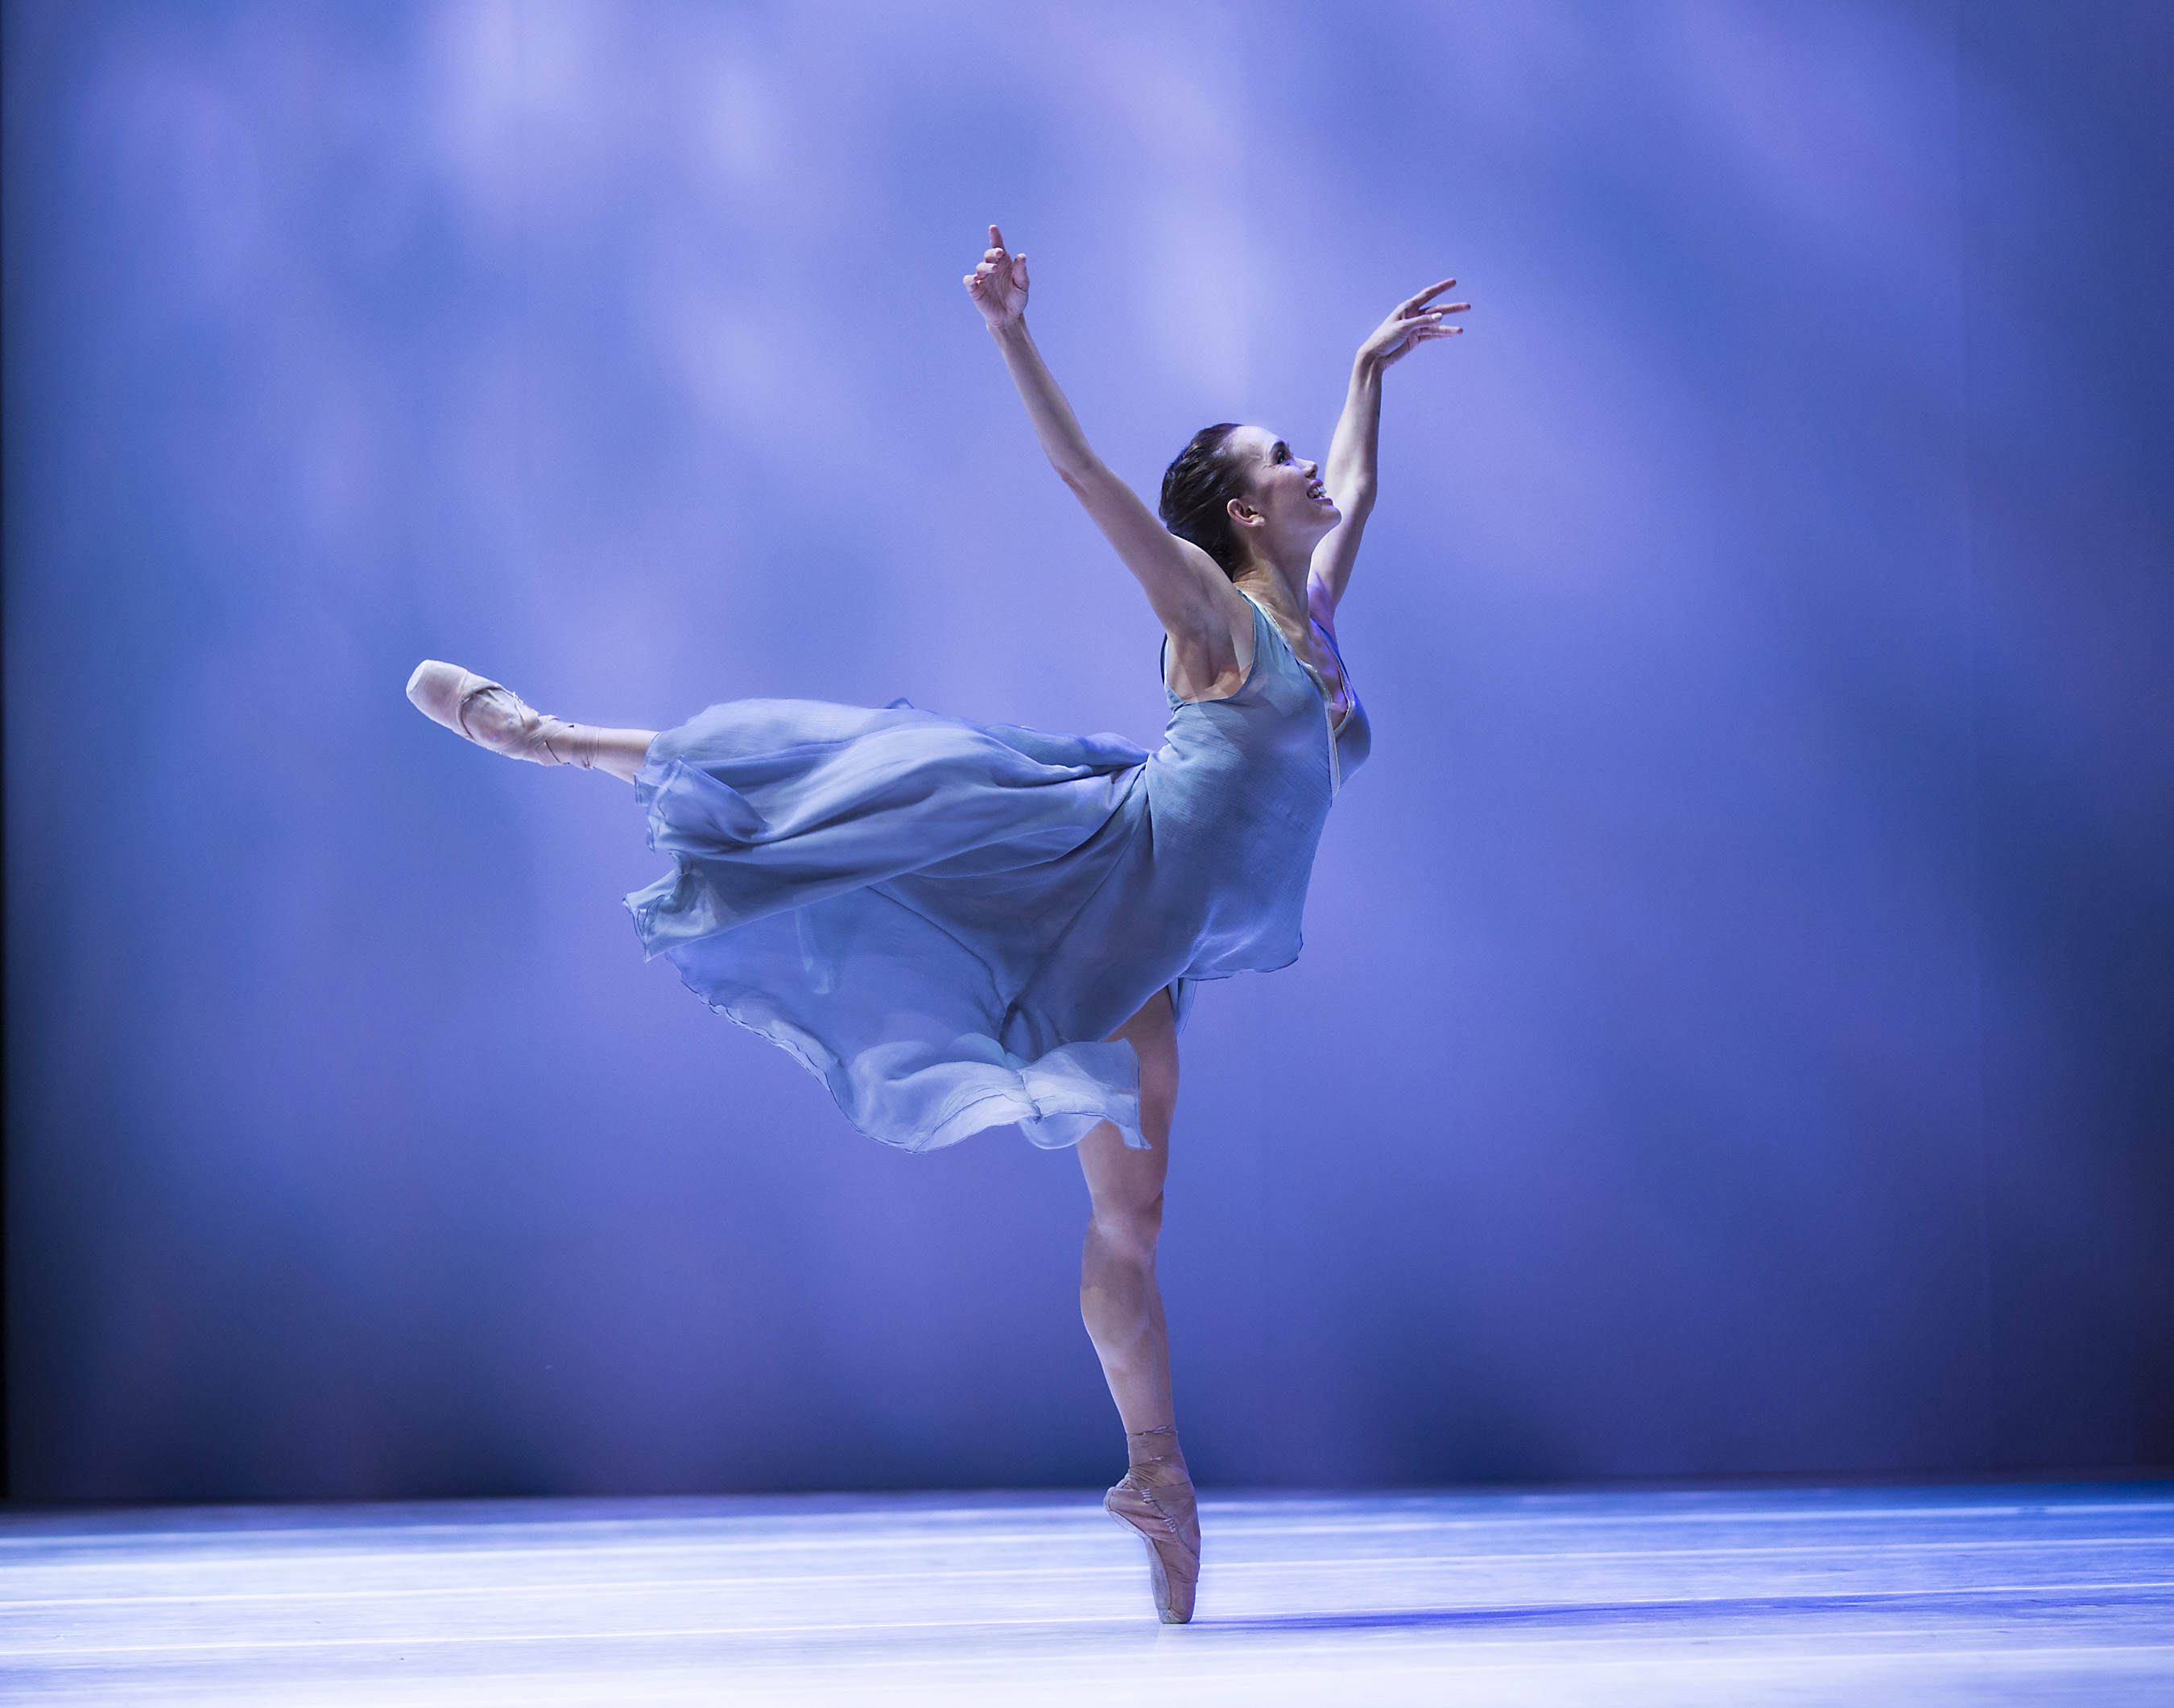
<point>1318,493</point>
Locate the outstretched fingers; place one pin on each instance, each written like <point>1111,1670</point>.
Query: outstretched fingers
<point>1412,305</point>
<point>1433,322</point>
<point>1432,329</point>
<point>1412,322</point>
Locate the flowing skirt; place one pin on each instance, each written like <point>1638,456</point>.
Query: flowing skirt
<point>933,917</point>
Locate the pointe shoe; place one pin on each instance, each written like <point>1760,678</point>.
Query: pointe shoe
<point>492,716</point>
<point>1166,1516</point>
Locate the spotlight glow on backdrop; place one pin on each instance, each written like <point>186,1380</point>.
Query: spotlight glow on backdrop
<point>1732,1036</point>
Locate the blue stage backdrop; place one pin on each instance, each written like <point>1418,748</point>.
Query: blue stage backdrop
<point>1734,1031</point>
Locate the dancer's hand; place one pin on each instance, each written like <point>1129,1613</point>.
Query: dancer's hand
<point>998,284</point>
<point>1354,451</point>
<point>1410,324</point>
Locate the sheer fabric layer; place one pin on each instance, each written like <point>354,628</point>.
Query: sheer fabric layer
<point>943,920</point>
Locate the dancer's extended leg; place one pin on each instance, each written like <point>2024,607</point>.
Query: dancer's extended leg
<point>1122,1308</point>
<point>492,716</point>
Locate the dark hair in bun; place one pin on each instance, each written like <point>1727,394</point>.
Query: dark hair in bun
<point>1197,490</point>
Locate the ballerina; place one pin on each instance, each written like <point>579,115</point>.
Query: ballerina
<point>959,926</point>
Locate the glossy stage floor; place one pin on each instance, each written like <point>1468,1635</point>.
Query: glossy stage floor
<point>1908,1595</point>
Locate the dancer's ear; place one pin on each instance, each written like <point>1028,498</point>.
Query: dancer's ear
<point>1243,514</point>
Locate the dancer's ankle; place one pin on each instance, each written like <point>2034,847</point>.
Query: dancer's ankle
<point>1155,1454</point>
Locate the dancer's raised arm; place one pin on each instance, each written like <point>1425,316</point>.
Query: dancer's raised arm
<point>1192,595</point>
<point>1354,451</point>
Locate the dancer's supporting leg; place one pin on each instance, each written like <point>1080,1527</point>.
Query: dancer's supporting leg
<point>492,716</point>
<point>1122,1308</point>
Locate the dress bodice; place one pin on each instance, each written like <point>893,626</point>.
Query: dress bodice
<point>1238,794</point>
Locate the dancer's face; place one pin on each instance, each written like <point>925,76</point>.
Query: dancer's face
<point>1288,505</point>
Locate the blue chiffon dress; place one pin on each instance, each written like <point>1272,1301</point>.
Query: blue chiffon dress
<point>943,920</point>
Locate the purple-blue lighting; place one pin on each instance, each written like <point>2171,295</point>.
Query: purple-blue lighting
<point>1732,1032</point>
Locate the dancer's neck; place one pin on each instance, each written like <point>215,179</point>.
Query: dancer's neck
<point>1280,589</point>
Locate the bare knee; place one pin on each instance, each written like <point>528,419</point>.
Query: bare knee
<point>1130,1230</point>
